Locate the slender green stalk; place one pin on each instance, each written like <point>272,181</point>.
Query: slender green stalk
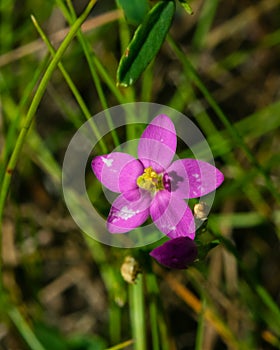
<point>25,330</point>
<point>88,53</point>
<point>112,280</point>
<point>147,83</point>
<point>14,125</point>
<point>94,66</point>
<point>220,114</point>
<point>71,85</point>
<point>35,103</point>
<point>200,328</point>
<point>269,302</point>
<point>124,33</point>
<point>137,313</point>
<point>166,341</point>
<point>204,23</point>
<point>159,331</point>
<point>153,293</point>
<point>109,81</point>
<point>6,26</point>
<point>114,321</point>
<point>121,345</point>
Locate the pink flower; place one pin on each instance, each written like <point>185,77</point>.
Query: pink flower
<point>153,185</point>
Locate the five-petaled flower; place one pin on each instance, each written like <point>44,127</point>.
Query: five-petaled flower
<point>153,185</point>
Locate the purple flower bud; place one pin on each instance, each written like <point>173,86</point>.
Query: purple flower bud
<point>176,253</point>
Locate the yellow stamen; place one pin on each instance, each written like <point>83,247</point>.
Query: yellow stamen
<point>150,180</point>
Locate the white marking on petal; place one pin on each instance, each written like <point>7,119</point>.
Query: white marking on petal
<point>107,162</point>
<point>195,175</point>
<point>169,227</point>
<point>125,213</point>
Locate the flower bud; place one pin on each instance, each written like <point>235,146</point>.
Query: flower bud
<point>200,211</point>
<point>130,269</point>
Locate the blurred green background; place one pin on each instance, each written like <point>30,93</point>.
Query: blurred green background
<point>220,67</point>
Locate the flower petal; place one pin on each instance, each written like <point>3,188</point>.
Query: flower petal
<point>109,167</point>
<point>157,144</point>
<point>125,215</point>
<point>128,177</point>
<point>191,178</point>
<point>177,253</point>
<point>172,216</point>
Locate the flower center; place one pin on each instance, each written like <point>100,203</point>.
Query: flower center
<point>150,180</point>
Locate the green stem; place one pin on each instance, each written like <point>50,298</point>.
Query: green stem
<point>137,313</point>
<point>159,332</point>
<point>153,292</point>
<point>115,317</point>
<point>120,346</point>
<point>111,277</point>
<point>147,83</point>
<point>108,80</point>
<point>204,23</point>
<point>200,328</point>
<point>88,53</point>
<point>14,123</point>
<point>25,330</point>
<point>35,103</point>
<point>71,85</point>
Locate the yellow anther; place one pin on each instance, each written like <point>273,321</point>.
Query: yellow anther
<point>150,180</point>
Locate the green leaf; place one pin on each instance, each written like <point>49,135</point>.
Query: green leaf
<point>134,10</point>
<point>146,42</point>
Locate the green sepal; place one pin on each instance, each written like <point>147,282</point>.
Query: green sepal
<point>204,240</point>
<point>204,249</point>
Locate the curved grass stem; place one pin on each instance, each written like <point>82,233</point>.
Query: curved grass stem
<point>35,103</point>
<point>71,85</point>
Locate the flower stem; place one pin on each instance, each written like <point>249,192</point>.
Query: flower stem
<point>153,292</point>
<point>137,313</point>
